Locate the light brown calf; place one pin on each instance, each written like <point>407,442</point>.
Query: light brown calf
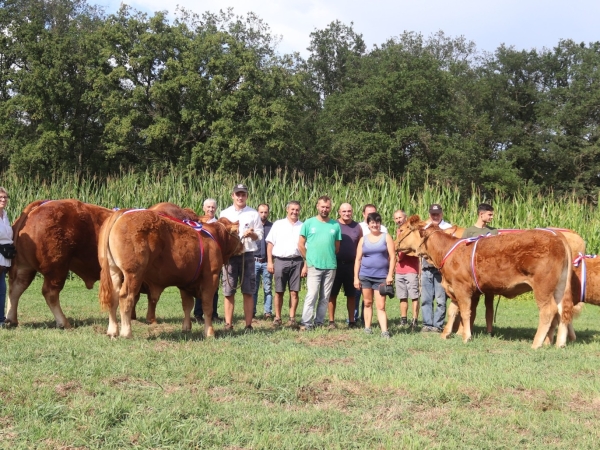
<point>507,265</point>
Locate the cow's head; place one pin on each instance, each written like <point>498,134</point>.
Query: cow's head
<point>233,244</point>
<point>409,235</point>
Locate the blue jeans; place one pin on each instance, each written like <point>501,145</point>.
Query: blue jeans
<point>318,289</point>
<point>2,296</point>
<point>431,287</point>
<point>198,312</point>
<point>260,269</point>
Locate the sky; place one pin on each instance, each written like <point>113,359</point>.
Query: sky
<point>524,24</point>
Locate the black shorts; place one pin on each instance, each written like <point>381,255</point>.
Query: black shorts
<point>287,273</point>
<point>344,276</point>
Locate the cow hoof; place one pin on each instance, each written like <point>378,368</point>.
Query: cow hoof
<point>210,333</point>
<point>9,324</point>
<point>445,335</point>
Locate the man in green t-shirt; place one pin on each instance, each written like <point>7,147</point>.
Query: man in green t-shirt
<point>485,215</point>
<point>319,241</point>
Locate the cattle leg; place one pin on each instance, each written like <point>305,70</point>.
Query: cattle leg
<point>187,303</point>
<point>113,325</point>
<point>16,286</point>
<point>457,327</point>
<point>550,336</point>
<point>547,313</point>
<point>151,312</point>
<point>452,316</point>
<point>51,292</point>
<point>465,316</point>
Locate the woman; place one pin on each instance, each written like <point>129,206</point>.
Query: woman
<point>6,237</point>
<point>374,266</point>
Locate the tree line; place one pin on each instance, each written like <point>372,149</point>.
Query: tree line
<point>89,92</point>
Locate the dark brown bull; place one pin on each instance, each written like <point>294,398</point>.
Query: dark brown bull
<point>143,247</point>
<point>508,265</point>
<point>55,237</point>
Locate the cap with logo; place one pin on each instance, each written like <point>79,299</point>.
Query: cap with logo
<point>240,188</point>
<point>435,209</point>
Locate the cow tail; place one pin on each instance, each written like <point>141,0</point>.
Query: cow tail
<point>105,293</point>
<point>567,301</point>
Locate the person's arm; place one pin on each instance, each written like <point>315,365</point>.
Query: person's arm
<point>270,267</point>
<point>302,246</point>
<point>391,248</point>
<point>357,262</point>
<point>337,247</point>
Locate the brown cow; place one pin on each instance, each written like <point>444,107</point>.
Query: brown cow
<point>509,265</point>
<point>576,243</point>
<point>54,237</point>
<point>142,246</point>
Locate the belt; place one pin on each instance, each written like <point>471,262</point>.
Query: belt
<point>260,260</point>
<point>430,269</point>
<point>292,258</point>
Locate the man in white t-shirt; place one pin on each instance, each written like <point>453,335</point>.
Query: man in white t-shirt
<point>284,260</point>
<point>251,230</point>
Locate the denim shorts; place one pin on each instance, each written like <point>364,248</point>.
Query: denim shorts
<point>371,283</point>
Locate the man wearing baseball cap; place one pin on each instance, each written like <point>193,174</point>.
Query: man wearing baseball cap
<point>431,282</point>
<point>251,231</point>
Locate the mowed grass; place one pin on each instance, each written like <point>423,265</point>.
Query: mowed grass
<point>284,389</point>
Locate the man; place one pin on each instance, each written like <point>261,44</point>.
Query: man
<point>407,279</point>
<point>260,264</point>
<point>285,261</point>
<point>367,209</point>
<point>431,282</point>
<point>251,231</point>
<point>319,242</point>
<point>344,274</point>
<point>485,215</point>
<point>210,208</point>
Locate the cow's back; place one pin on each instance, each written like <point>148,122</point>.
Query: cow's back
<point>61,235</point>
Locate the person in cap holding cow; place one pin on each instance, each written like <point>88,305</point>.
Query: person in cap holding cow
<point>260,264</point>
<point>251,231</point>
<point>6,240</point>
<point>319,242</point>
<point>344,274</point>
<point>431,282</point>
<point>285,261</point>
<point>210,208</point>
<point>485,215</point>
<point>407,279</point>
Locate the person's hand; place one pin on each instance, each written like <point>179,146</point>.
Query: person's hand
<point>389,280</point>
<point>304,271</point>
<point>356,283</point>
<point>248,232</point>
<point>270,268</point>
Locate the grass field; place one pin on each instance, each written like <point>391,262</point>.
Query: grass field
<point>282,389</point>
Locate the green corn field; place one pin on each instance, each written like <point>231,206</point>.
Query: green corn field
<point>277,188</point>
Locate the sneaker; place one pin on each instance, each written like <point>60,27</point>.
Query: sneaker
<point>331,326</point>
<point>277,322</point>
<point>385,334</point>
<point>228,327</point>
<point>248,329</point>
<point>368,331</point>
<point>436,329</point>
<point>414,324</point>
<point>403,322</point>
<point>305,328</point>
<point>352,325</point>
<point>291,322</point>
<point>427,329</point>
<point>268,316</point>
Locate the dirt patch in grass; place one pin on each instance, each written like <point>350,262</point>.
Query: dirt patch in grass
<point>338,395</point>
<point>222,394</point>
<point>330,340</point>
<point>341,361</point>
<point>64,389</point>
